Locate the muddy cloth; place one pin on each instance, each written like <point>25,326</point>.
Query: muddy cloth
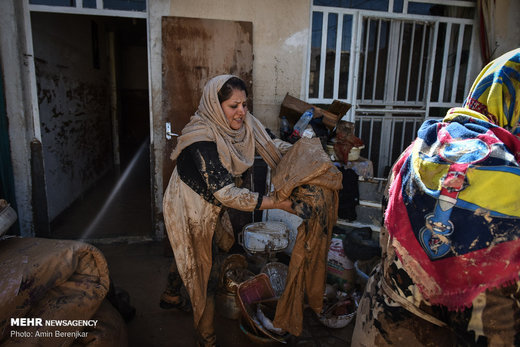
<point>190,222</point>
<point>383,320</point>
<point>308,177</point>
<point>451,238</point>
<point>54,280</point>
<point>175,293</point>
<point>304,163</point>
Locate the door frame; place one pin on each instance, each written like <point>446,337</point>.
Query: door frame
<point>26,213</point>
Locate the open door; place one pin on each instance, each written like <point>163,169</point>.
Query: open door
<point>193,51</point>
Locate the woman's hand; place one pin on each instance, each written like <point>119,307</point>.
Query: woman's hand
<point>285,205</point>
<point>270,203</point>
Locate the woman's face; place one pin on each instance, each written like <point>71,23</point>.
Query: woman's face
<point>235,109</point>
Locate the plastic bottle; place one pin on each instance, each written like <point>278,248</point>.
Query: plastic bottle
<point>285,129</point>
<point>302,123</point>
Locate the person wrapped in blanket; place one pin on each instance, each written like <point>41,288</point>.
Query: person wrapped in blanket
<point>449,274</point>
<point>216,147</point>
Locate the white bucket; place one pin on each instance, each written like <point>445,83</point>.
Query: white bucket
<point>353,155</point>
<point>7,218</point>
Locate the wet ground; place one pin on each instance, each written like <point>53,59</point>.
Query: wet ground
<point>120,206</point>
<point>141,269</point>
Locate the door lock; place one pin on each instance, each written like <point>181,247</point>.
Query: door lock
<point>169,133</point>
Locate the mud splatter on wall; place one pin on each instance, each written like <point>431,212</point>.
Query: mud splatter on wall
<point>74,106</point>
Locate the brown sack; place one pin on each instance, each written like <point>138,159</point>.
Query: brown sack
<point>49,279</point>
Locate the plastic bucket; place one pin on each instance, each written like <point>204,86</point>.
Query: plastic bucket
<point>7,218</point>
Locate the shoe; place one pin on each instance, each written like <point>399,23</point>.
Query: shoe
<point>181,305</point>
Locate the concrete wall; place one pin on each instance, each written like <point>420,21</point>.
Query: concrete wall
<point>507,29</point>
<point>15,62</point>
<point>73,95</point>
<point>280,36</point>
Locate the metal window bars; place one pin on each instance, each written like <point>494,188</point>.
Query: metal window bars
<point>400,66</point>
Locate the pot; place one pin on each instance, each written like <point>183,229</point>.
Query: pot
<point>227,305</point>
<point>266,237</point>
<point>353,155</point>
<point>234,271</point>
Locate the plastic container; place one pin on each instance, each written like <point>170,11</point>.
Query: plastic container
<point>340,313</point>
<point>302,123</point>
<point>264,237</point>
<point>253,291</point>
<point>285,128</point>
<point>340,269</point>
<point>353,155</point>
<point>277,273</point>
<point>256,337</point>
<point>7,218</point>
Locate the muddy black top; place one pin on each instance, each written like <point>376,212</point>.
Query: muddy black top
<point>200,168</point>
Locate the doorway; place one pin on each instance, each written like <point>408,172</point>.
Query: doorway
<point>92,84</point>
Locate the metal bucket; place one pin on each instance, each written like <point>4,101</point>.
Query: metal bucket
<point>227,305</point>
<point>233,273</point>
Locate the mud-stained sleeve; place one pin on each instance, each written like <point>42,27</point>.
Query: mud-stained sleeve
<point>209,166</point>
<point>217,181</point>
<point>282,146</point>
<point>238,198</point>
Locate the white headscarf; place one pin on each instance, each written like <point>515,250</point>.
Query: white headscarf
<point>236,148</point>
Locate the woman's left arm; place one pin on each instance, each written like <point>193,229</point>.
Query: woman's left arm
<point>282,146</point>
<point>245,200</point>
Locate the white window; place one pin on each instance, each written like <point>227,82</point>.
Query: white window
<point>119,8</point>
<point>395,61</point>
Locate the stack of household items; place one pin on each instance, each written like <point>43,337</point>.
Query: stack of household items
<point>289,266</point>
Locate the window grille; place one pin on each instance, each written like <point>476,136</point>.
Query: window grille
<point>396,61</point>
<point>118,8</point>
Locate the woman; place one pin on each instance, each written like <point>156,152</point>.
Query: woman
<point>216,147</point>
<point>451,239</point>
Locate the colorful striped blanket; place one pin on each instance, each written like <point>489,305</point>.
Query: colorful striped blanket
<point>454,208</point>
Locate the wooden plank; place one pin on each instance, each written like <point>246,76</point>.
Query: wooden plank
<point>293,108</point>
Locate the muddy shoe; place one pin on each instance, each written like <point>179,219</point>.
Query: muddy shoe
<point>169,302</point>
<point>120,299</point>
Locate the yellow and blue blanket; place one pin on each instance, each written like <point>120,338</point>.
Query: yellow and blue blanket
<point>496,92</point>
<point>454,208</point>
